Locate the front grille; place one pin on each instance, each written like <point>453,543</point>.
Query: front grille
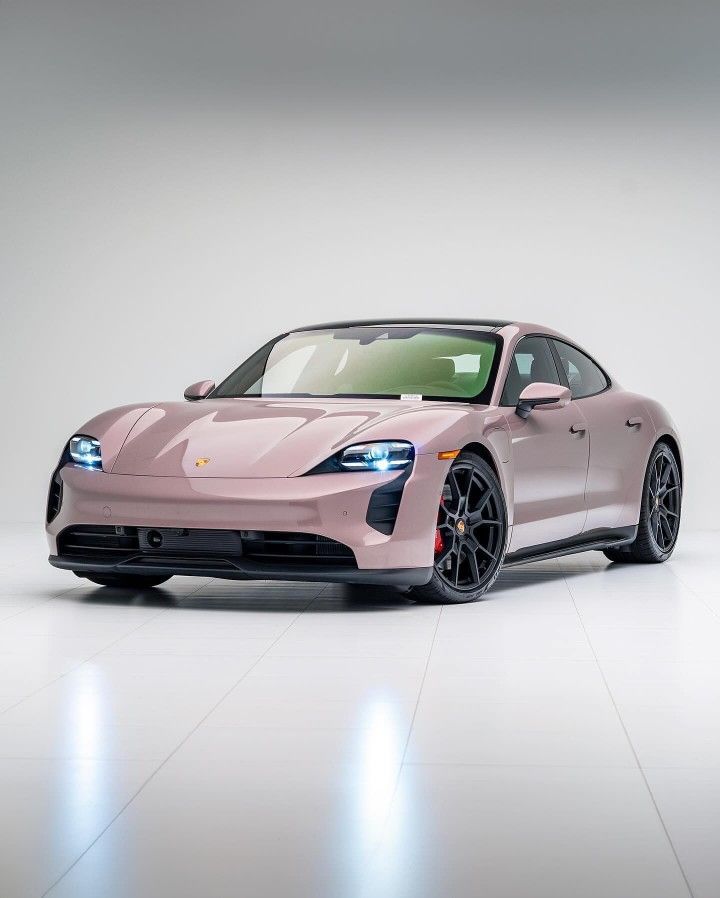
<point>183,545</point>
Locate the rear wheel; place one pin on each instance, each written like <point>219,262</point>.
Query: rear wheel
<point>127,581</point>
<point>659,513</point>
<point>470,536</point>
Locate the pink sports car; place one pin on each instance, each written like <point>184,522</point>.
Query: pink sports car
<point>425,454</point>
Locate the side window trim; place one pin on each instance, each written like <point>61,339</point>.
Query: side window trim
<point>559,365</point>
<point>562,380</point>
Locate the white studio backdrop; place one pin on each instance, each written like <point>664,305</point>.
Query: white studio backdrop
<point>151,238</point>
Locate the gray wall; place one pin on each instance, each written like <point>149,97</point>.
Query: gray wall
<point>181,181</point>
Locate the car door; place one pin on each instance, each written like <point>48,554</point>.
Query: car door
<point>549,453</point>
<point>618,429</point>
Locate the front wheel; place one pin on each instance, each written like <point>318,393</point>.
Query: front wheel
<point>125,581</point>
<point>659,514</point>
<point>470,536</point>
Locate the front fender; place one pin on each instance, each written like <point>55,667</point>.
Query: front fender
<point>664,426</point>
<point>112,429</point>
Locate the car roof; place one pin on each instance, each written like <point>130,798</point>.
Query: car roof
<point>486,324</point>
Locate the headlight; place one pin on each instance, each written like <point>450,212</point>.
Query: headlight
<point>85,451</point>
<point>382,455</point>
<point>388,456</point>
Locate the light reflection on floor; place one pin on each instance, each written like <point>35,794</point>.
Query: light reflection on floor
<point>559,739</point>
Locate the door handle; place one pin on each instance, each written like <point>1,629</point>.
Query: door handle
<point>633,422</point>
<point>578,428</point>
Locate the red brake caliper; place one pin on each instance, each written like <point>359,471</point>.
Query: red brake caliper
<point>438,536</point>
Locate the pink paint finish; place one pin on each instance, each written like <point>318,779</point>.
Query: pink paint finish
<point>571,466</point>
<point>272,437</point>
<point>199,390</point>
<point>332,505</point>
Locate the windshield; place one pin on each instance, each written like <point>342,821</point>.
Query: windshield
<point>392,362</point>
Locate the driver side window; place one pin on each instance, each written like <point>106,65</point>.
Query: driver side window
<point>532,362</point>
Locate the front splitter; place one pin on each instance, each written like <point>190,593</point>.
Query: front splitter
<point>241,569</point>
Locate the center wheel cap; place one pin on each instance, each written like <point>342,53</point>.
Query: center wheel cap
<point>460,527</point>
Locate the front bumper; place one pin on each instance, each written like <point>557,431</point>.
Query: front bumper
<point>329,505</point>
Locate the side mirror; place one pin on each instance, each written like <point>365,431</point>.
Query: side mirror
<point>199,390</point>
<point>543,395</point>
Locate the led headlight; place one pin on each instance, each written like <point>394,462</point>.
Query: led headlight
<point>385,456</point>
<point>85,451</point>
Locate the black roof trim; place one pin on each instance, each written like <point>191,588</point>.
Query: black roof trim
<point>489,323</point>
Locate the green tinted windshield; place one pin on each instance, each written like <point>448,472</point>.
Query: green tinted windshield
<point>433,363</point>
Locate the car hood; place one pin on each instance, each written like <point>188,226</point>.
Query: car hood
<point>269,438</point>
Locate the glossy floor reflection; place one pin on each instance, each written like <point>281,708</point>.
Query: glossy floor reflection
<point>560,739</point>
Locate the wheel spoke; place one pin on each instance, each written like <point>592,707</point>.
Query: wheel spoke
<point>484,551</point>
<point>655,523</point>
<point>656,472</point>
<point>455,490</point>
<point>666,531</point>
<point>475,567</point>
<point>468,491</point>
<point>476,517</point>
<point>666,472</point>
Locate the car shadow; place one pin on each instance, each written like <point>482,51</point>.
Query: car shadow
<point>255,596</point>
<point>517,578</point>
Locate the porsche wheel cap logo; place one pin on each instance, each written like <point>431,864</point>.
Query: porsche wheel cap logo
<point>201,462</point>
<point>460,526</point>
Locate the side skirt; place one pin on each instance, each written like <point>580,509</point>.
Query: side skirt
<point>605,538</point>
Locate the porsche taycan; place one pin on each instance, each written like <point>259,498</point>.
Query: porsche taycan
<point>425,454</point>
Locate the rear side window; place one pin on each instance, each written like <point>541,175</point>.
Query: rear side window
<point>583,375</point>
<point>532,362</point>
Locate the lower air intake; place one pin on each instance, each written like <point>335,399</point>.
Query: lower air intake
<point>283,548</point>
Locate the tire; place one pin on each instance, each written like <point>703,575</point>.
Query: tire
<point>126,581</point>
<point>660,510</point>
<point>479,534</point>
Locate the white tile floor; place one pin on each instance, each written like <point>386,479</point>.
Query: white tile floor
<point>211,739</point>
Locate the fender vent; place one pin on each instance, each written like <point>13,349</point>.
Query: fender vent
<point>54,501</point>
<point>384,504</point>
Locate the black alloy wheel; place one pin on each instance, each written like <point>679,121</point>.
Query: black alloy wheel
<point>663,499</point>
<point>659,522</point>
<point>470,535</point>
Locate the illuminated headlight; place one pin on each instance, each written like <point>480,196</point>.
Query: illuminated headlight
<point>85,451</point>
<point>386,456</point>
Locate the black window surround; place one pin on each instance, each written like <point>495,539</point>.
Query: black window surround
<point>551,340</point>
<point>558,363</point>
